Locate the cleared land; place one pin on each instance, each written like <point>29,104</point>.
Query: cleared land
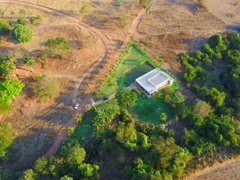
<point>175,26</point>
<point>228,170</point>
<point>227,10</point>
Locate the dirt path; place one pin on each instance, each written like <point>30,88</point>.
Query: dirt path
<point>108,46</point>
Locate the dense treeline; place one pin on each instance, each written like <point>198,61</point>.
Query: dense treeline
<point>214,75</point>
<point>69,164</point>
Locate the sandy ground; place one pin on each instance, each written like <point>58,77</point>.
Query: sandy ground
<point>226,10</point>
<point>176,26</point>
<point>229,170</point>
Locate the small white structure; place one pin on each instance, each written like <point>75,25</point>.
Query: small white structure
<point>151,82</point>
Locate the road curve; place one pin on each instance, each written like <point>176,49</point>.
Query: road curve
<point>107,46</point>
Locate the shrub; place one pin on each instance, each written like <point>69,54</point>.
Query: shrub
<point>22,33</point>
<point>58,46</point>
<point>145,3</point>
<point>21,21</point>
<point>85,9</point>
<point>46,88</point>
<point>4,26</point>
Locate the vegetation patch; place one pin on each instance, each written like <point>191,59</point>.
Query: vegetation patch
<point>22,33</point>
<point>150,110</point>
<point>4,26</point>
<point>117,80</point>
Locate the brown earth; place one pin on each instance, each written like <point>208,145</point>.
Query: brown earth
<point>176,26</point>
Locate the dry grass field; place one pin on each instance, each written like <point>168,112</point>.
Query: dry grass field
<point>226,10</point>
<point>176,26</point>
<point>228,170</point>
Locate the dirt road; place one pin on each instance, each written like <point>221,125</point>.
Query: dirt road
<point>108,46</point>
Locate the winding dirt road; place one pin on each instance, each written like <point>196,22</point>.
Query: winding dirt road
<point>108,48</point>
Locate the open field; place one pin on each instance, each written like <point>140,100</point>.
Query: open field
<point>227,170</point>
<point>227,11</point>
<point>176,26</point>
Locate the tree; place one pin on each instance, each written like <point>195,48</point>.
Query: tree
<point>177,97</point>
<point>6,138</point>
<point>58,46</point>
<point>4,26</point>
<point>7,64</point>
<point>22,33</point>
<point>66,178</point>
<point>126,98</point>
<point>30,61</point>
<point>76,155</point>
<point>78,117</point>
<point>28,175</point>
<point>202,109</point>
<point>40,165</point>
<point>163,116</point>
<point>21,21</point>
<point>88,170</point>
<point>9,89</point>
<point>66,145</point>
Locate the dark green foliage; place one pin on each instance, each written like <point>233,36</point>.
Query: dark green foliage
<point>88,170</point>
<point>21,21</point>
<point>127,98</point>
<point>28,175</point>
<point>4,26</point>
<point>22,33</point>
<point>6,65</point>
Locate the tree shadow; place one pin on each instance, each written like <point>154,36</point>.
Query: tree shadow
<point>234,27</point>
<point>27,148</point>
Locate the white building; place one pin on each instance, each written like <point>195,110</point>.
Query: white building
<point>153,81</point>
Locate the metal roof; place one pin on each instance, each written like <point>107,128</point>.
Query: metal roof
<point>153,80</point>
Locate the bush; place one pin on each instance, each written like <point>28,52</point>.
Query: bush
<point>124,20</point>
<point>58,46</point>
<point>21,21</point>
<point>145,3</point>
<point>4,26</point>
<point>85,9</point>
<point>22,33</point>
<point>46,88</point>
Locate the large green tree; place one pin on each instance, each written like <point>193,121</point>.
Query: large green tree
<point>9,88</point>
<point>22,33</point>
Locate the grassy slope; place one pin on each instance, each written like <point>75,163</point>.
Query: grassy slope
<point>118,81</point>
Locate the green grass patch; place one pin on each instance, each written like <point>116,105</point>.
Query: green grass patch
<point>84,129</point>
<point>118,81</point>
<point>149,110</point>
